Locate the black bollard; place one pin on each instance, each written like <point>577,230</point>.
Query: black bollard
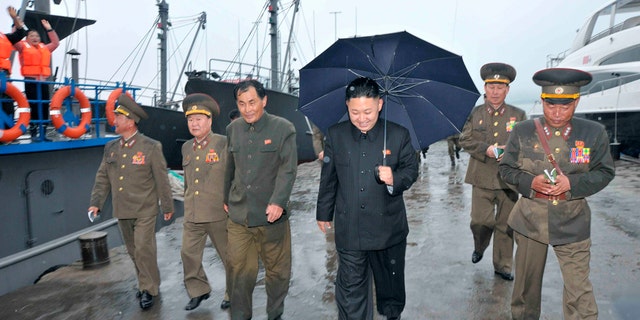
<point>94,249</point>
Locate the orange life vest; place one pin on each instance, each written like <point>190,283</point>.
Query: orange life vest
<point>35,61</point>
<point>5,53</point>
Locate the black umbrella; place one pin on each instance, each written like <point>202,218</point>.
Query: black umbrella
<point>426,89</point>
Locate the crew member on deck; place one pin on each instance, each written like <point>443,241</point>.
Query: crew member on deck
<point>35,58</point>
<point>6,47</point>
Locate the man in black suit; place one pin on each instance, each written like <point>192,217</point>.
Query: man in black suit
<point>361,188</point>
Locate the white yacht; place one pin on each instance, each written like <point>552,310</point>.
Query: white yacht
<point>608,46</point>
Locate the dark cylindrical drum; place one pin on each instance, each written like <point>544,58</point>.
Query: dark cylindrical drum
<point>94,249</point>
<point>615,150</point>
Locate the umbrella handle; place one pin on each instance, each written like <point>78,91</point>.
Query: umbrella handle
<point>376,174</point>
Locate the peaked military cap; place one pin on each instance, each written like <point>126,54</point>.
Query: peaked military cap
<point>561,85</point>
<point>497,72</point>
<point>129,108</point>
<point>200,103</point>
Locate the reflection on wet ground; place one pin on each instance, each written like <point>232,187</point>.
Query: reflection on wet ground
<point>441,281</point>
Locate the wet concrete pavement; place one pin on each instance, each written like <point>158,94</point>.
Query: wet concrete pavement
<point>441,281</point>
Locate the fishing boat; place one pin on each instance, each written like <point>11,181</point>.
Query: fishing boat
<point>281,87</point>
<point>46,179</point>
<point>607,46</point>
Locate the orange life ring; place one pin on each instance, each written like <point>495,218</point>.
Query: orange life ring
<point>56,115</point>
<point>109,109</point>
<point>20,127</point>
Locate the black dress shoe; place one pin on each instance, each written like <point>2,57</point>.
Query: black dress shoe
<point>394,318</point>
<point>138,294</point>
<point>146,300</point>
<point>226,304</point>
<point>505,275</point>
<point>195,302</point>
<point>476,256</point>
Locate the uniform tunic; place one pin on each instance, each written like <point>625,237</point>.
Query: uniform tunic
<point>584,158</point>
<point>261,169</point>
<point>135,173</point>
<point>485,127</point>
<point>204,164</point>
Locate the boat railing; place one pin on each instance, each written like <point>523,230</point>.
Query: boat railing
<point>234,72</point>
<point>599,86</point>
<point>98,132</point>
<point>606,32</point>
<point>554,60</point>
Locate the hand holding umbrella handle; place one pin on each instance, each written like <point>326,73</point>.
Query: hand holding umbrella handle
<point>376,174</point>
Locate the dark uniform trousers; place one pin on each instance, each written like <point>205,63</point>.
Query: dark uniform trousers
<point>573,258</point>
<point>139,236</point>
<point>272,244</point>
<point>489,214</point>
<point>353,282</point>
<point>194,239</point>
<point>453,146</point>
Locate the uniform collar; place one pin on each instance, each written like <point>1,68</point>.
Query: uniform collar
<point>202,144</point>
<point>494,111</point>
<point>549,131</point>
<point>130,141</point>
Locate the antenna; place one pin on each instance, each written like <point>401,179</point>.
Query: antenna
<point>335,23</point>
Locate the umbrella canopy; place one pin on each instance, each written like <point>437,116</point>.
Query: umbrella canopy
<point>426,89</point>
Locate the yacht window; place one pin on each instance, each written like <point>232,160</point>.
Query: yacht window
<point>622,56</point>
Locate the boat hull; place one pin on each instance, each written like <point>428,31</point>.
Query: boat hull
<point>170,128</point>
<point>45,196</point>
<point>278,103</point>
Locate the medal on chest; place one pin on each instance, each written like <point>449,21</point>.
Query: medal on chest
<point>212,156</point>
<point>138,158</point>
<point>511,123</point>
<point>580,154</point>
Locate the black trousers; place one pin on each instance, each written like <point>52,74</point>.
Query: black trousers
<point>37,91</point>
<point>353,283</point>
<point>7,107</point>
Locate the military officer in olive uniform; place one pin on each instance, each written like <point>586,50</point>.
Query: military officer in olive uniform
<point>261,170</point>
<point>553,209</point>
<point>204,160</point>
<point>134,171</point>
<point>483,137</point>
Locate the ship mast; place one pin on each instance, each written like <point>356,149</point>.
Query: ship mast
<point>163,11</point>
<point>273,22</point>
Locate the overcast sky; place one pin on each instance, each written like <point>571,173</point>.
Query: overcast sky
<point>521,33</point>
